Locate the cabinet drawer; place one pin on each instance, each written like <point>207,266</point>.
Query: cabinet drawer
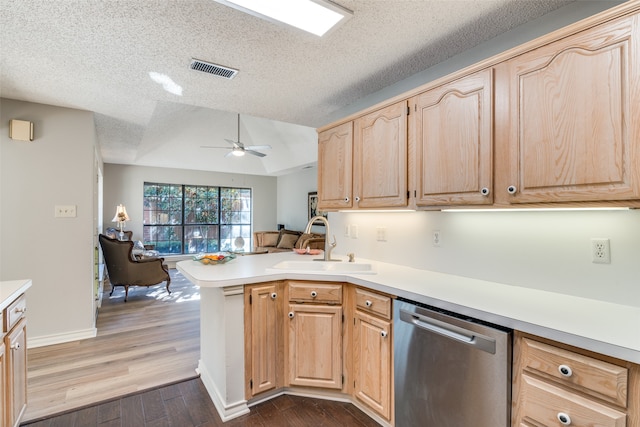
<point>14,313</point>
<point>592,376</point>
<point>315,292</point>
<point>544,403</point>
<point>373,303</point>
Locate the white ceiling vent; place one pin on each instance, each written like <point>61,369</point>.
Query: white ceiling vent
<point>215,69</point>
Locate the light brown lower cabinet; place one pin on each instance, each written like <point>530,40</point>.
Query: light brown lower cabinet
<point>13,361</point>
<point>296,336</point>
<point>559,385</point>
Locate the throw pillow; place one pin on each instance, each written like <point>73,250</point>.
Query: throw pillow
<point>287,241</point>
<point>270,239</point>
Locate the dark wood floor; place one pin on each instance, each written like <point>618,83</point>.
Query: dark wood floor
<point>187,404</point>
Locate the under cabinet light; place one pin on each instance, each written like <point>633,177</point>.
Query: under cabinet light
<point>314,16</point>
<point>537,209</point>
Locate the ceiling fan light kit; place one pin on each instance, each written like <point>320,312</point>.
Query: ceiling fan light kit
<point>238,149</point>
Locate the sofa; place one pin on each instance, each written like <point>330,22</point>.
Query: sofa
<point>286,240</point>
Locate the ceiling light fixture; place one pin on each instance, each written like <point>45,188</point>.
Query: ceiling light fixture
<point>238,152</point>
<point>314,16</point>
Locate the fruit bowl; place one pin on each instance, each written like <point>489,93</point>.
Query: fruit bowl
<point>217,258</point>
<point>308,251</point>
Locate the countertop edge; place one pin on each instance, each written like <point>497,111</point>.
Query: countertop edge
<point>12,289</point>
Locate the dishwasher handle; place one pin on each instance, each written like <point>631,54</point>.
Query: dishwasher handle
<point>448,330</point>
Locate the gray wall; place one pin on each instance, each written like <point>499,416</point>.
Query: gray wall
<point>57,168</point>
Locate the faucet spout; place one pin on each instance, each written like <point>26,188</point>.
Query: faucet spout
<point>328,247</point>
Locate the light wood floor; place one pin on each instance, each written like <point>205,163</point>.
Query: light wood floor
<point>153,339</point>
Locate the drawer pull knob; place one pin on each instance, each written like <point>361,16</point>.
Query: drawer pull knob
<point>485,191</point>
<point>21,309</point>
<point>564,419</point>
<point>368,303</point>
<point>346,199</point>
<point>274,295</point>
<point>314,294</point>
<point>512,189</point>
<point>565,371</point>
<point>383,334</point>
<point>15,346</point>
<point>291,315</point>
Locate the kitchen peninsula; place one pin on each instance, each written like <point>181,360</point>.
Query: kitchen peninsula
<point>601,327</point>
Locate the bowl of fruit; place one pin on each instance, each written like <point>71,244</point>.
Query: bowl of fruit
<point>213,259</point>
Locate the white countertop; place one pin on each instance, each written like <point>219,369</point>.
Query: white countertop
<point>603,327</point>
<point>12,289</point>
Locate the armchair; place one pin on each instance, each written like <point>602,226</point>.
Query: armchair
<point>125,271</point>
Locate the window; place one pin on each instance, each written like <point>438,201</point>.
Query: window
<point>189,219</point>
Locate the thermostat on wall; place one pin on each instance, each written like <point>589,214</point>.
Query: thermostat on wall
<point>21,130</point>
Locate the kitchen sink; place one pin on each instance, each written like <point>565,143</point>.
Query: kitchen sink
<point>329,267</point>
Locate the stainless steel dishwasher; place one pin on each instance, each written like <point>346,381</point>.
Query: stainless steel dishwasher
<point>450,370</point>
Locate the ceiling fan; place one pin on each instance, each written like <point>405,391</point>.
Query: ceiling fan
<point>239,149</point>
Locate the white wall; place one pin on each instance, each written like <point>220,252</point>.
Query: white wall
<point>549,250</point>
<point>293,194</point>
<point>57,168</point>
<point>124,184</point>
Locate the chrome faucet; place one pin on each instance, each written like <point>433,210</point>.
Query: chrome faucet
<point>328,247</point>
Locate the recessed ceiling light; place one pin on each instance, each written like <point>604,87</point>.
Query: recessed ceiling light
<point>314,16</point>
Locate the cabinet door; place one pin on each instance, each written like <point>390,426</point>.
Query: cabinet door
<point>372,363</point>
<point>335,167</point>
<point>16,360</point>
<point>315,346</point>
<point>380,158</point>
<point>573,127</point>
<point>264,339</point>
<point>453,130</point>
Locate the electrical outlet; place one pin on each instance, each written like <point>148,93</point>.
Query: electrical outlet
<point>437,238</point>
<point>354,231</point>
<point>381,234</point>
<point>600,251</point>
<point>66,211</point>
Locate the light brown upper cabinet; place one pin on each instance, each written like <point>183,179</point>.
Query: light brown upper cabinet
<point>380,158</point>
<point>570,124</point>
<point>335,167</point>
<point>452,137</point>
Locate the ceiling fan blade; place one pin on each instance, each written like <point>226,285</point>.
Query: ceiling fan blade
<point>255,153</point>
<point>257,147</point>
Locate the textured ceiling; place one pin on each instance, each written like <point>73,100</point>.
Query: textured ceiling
<point>97,55</point>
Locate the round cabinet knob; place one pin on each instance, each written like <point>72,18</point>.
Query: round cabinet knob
<point>274,295</point>
<point>357,198</point>
<point>485,191</point>
<point>565,371</point>
<point>346,199</point>
<point>512,189</point>
<point>368,303</point>
<point>15,346</point>
<point>291,315</point>
<point>384,334</point>
<point>564,419</point>
<point>314,294</point>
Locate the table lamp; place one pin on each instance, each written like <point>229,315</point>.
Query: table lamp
<point>120,217</point>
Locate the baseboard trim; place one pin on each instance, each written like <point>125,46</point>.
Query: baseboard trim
<point>226,411</point>
<point>34,342</point>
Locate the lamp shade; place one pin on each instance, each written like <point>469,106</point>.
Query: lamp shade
<point>121,214</point>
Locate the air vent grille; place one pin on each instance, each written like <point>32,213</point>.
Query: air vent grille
<point>215,69</point>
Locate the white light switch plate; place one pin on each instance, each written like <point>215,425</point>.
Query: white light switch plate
<point>65,211</point>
